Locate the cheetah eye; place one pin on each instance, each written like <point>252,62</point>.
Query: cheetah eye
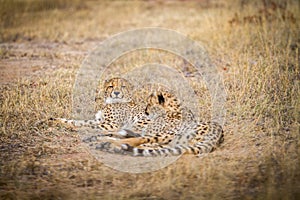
<point>123,86</point>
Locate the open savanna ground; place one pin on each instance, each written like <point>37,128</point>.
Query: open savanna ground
<point>255,46</point>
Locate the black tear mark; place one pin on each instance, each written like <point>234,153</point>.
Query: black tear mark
<point>146,110</point>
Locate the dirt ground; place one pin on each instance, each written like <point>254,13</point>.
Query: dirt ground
<point>255,46</point>
<point>27,59</point>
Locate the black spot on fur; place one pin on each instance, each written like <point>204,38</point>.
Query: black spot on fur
<point>164,151</point>
<point>193,150</point>
<point>140,151</point>
<point>178,150</point>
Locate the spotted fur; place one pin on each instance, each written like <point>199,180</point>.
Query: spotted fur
<point>117,106</point>
<point>121,114</point>
<point>181,133</point>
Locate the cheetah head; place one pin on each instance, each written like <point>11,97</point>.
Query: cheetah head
<point>117,90</point>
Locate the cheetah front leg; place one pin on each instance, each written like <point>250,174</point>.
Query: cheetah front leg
<point>105,128</point>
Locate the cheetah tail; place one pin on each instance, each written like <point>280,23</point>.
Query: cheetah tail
<point>168,151</point>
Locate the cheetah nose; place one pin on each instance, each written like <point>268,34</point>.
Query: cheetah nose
<point>116,93</point>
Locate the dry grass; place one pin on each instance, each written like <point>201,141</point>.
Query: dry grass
<point>254,44</point>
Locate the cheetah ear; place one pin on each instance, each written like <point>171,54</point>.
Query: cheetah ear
<point>161,99</point>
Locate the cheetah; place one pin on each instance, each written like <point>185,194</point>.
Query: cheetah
<point>196,139</point>
<point>119,109</point>
<point>182,134</point>
<point>120,114</point>
<point>161,130</point>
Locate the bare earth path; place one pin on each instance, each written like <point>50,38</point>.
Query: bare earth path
<point>26,59</point>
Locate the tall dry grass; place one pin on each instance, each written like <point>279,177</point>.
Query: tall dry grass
<point>255,45</point>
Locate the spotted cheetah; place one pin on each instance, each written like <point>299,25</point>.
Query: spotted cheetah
<point>181,133</point>
<point>120,113</point>
<point>161,130</point>
<point>119,109</point>
<point>196,139</point>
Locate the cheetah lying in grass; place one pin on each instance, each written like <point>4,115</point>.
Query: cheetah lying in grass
<point>181,133</point>
<point>120,113</point>
<point>162,127</point>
